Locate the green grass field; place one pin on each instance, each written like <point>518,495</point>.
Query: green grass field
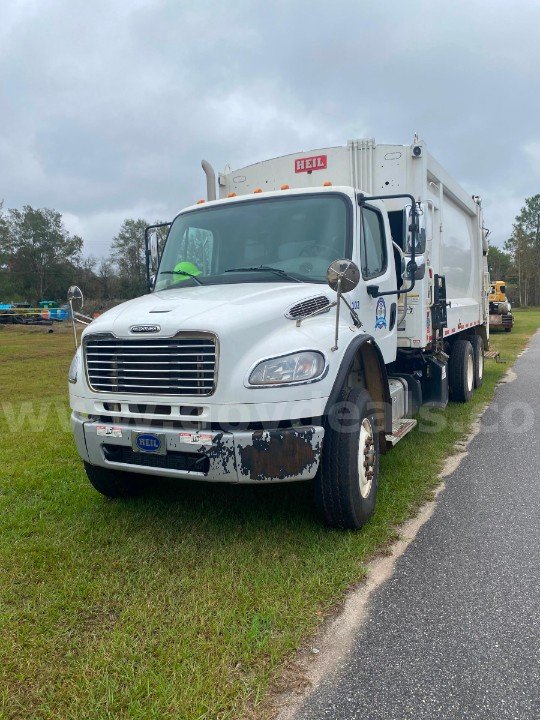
<point>183,603</point>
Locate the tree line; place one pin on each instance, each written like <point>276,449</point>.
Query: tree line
<point>519,262</point>
<point>40,259</point>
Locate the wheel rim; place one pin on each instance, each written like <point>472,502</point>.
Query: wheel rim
<point>366,457</point>
<point>470,372</point>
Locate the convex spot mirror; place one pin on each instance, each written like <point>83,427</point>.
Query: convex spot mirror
<point>343,276</point>
<point>74,294</point>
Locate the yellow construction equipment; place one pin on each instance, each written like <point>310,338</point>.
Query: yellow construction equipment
<point>500,310</point>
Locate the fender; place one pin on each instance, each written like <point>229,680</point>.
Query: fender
<point>376,377</point>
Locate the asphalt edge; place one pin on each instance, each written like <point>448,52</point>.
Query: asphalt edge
<point>331,644</point>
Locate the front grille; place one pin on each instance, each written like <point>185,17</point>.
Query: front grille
<point>308,306</point>
<point>189,462</point>
<point>183,365</point>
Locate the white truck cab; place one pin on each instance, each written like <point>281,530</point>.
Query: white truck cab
<point>293,329</point>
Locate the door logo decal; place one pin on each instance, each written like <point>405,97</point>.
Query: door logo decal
<point>380,314</point>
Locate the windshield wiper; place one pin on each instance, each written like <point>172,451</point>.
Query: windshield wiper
<point>265,268</point>
<point>181,272</point>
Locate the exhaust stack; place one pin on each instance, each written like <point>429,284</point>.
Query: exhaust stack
<point>210,180</point>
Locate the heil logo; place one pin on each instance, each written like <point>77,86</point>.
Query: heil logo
<point>148,443</point>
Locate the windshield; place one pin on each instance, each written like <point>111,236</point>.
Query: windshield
<point>289,239</point>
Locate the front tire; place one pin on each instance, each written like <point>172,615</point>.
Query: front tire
<point>346,482</point>
<point>461,371</point>
<point>112,483</point>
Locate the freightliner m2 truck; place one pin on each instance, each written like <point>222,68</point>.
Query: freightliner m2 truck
<point>294,328</point>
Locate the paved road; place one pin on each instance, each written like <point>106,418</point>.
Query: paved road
<point>455,632</point>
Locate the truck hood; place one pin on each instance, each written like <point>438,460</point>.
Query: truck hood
<point>211,307</point>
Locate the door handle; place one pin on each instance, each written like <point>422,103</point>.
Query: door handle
<point>393,313</point>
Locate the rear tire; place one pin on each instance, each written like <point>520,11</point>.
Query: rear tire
<point>478,349</point>
<point>112,483</point>
<point>461,371</point>
<point>346,482</point>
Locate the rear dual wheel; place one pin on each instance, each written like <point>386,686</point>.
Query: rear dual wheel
<point>478,350</point>
<point>465,368</point>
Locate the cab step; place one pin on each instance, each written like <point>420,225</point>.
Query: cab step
<point>400,428</point>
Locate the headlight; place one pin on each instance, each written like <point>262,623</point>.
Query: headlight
<point>74,367</point>
<point>295,368</point>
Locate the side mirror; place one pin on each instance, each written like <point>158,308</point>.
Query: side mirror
<point>420,229</point>
<point>154,250</point>
<point>343,276</point>
<point>74,293</point>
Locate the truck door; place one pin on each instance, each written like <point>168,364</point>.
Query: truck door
<point>375,257</point>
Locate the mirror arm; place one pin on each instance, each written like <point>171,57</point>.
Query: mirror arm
<point>75,293</point>
<point>74,327</point>
<point>354,315</point>
<point>338,303</point>
<point>373,290</point>
<point>147,257</point>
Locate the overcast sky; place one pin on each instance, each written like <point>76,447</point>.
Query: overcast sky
<point>107,107</point>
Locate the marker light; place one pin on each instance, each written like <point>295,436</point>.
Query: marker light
<point>327,183</point>
<point>285,187</point>
<point>231,195</point>
<point>257,190</point>
<point>200,202</point>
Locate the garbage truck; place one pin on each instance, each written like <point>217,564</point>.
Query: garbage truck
<point>298,320</point>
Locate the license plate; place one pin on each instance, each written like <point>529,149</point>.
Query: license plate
<point>149,443</point>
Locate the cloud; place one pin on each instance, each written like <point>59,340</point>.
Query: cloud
<point>108,107</point>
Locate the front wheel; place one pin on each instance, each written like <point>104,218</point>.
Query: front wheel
<point>112,483</point>
<point>346,482</point>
